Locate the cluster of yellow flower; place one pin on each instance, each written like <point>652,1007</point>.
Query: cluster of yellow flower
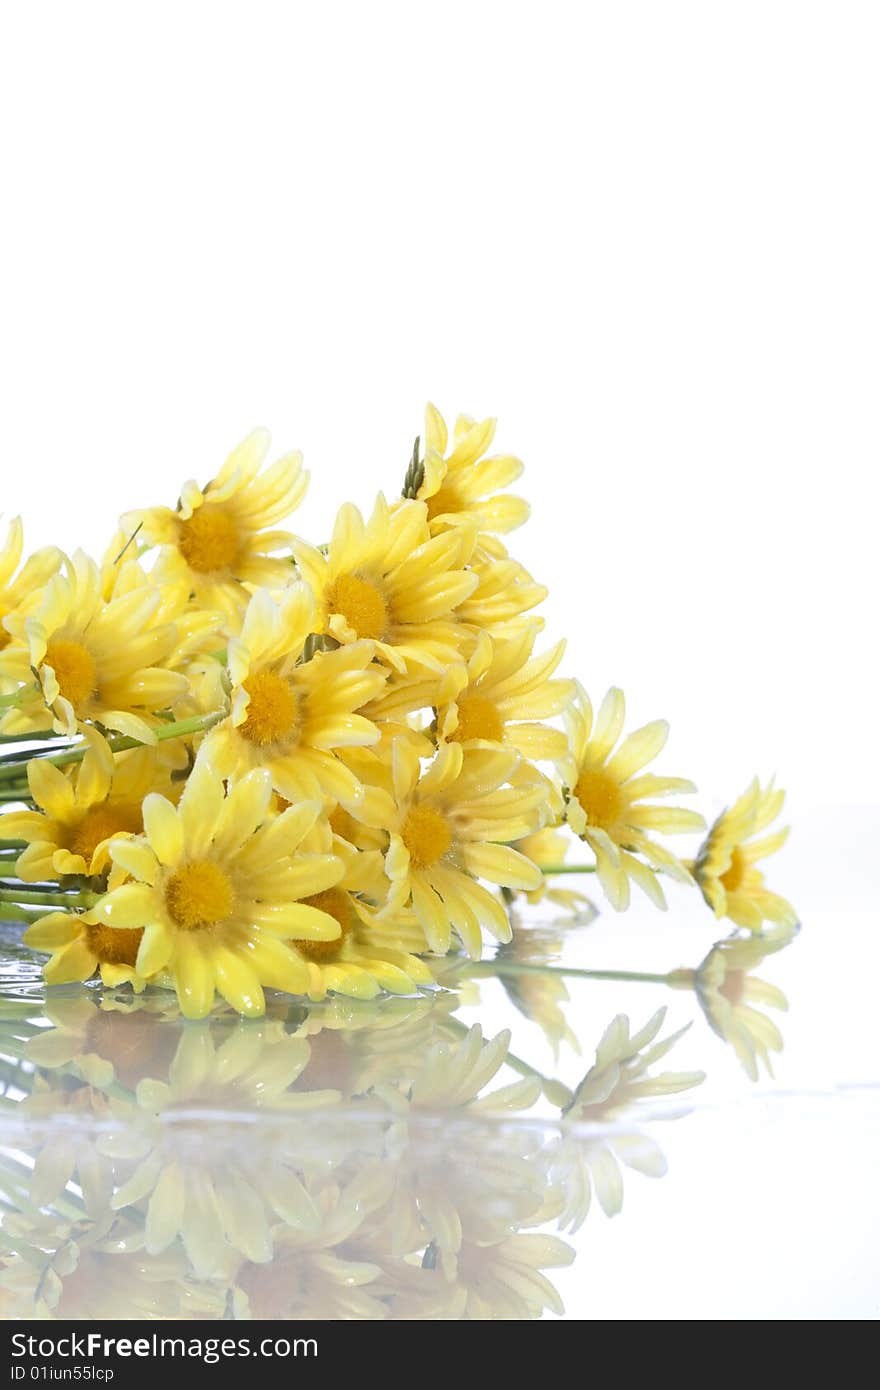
<point>246,761</point>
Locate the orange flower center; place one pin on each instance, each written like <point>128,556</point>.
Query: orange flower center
<point>337,905</point>
<point>99,823</point>
<point>600,796</point>
<point>199,895</point>
<point>478,717</point>
<point>361,604</point>
<point>427,835</point>
<point>273,709</point>
<point>209,540</point>
<point>114,945</point>
<point>342,823</point>
<point>732,878</point>
<point>135,1043</point>
<point>75,670</point>
<point>734,984</point>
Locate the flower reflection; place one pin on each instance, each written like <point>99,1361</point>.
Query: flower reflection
<point>607,1098</point>
<point>351,1160</point>
<point>728,993</point>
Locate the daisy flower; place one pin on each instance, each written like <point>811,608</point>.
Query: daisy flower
<point>538,997</point>
<point>312,1274</point>
<point>96,1271</point>
<point>494,1281</point>
<point>464,485</point>
<point>78,948</point>
<point>449,827</point>
<point>454,1074</point>
<point>216,890</point>
<point>363,959</point>
<point>220,538</point>
<point>616,1083</point>
<point>501,693</point>
<point>388,580</point>
<point>726,865</point>
<point>728,992</point>
<point>17,586</point>
<point>78,814</point>
<point>106,1040</point>
<point>217,1196</point>
<point>103,662</point>
<point>291,715</point>
<point>69,1152</point>
<point>607,799</point>
<point>504,591</point>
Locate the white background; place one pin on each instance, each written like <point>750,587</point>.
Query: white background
<point>644,236</point>
<point>647,238</point>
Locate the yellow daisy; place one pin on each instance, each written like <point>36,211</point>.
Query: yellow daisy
<point>538,997</point>
<point>18,588</point>
<point>502,692</point>
<point>77,948</point>
<point>504,591</point>
<point>216,889</point>
<point>288,714</point>
<point>726,865</point>
<point>313,1274</point>
<point>447,829</point>
<point>607,803</point>
<point>388,580</point>
<point>463,485</point>
<point>107,1039</point>
<point>728,992</point>
<point>219,537</point>
<point>79,812</point>
<point>103,662</point>
<point>607,1098</point>
<point>363,959</point>
<point>224,1196</point>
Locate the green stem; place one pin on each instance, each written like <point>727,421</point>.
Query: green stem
<point>10,913</point>
<point>179,729</point>
<point>16,697</point>
<point>31,737</point>
<point>60,899</point>
<point>569,869</point>
<point>496,967</point>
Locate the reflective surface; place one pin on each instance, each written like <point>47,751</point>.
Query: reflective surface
<point>463,1154</point>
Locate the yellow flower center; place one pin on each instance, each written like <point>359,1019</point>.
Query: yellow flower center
<point>445,500</point>
<point>478,717</point>
<point>427,835</point>
<point>273,709</point>
<point>361,604</point>
<point>114,945</point>
<point>732,878</point>
<point>336,904</point>
<point>99,823</point>
<point>199,895</point>
<point>601,798</point>
<point>75,670</point>
<point>209,540</point>
<point>5,637</point>
<point>734,984</point>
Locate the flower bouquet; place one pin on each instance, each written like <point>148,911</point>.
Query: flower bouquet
<point>234,760</point>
